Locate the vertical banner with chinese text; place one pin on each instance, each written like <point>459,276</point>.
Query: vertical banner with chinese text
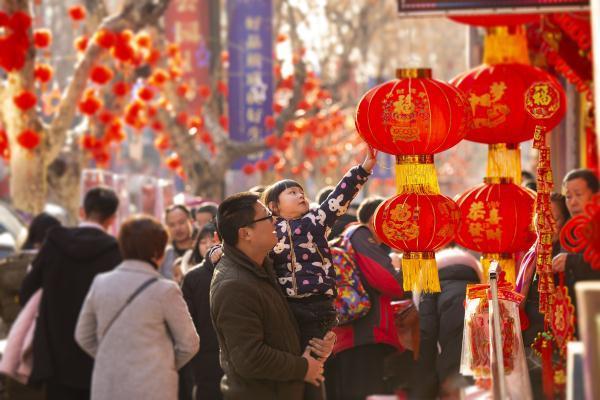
<point>187,25</point>
<point>250,70</point>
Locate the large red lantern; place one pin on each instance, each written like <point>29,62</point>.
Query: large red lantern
<point>499,96</point>
<point>497,221</point>
<point>419,225</point>
<point>413,114</point>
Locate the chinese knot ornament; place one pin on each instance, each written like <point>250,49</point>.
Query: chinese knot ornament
<point>414,117</point>
<point>497,221</point>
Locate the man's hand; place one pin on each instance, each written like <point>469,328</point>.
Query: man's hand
<point>322,348</point>
<point>370,160</point>
<point>559,263</point>
<point>314,373</point>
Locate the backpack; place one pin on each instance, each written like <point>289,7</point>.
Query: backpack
<point>352,301</point>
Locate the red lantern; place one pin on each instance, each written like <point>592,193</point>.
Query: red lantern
<point>15,40</point>
<point>183,89</point>
<point>28,139</point>
<point>143,40</point>
<point>81,43</point>
<point>269,122</point>
<point>248,169</point>
<point>77,12</point>
<point>262,165</point>
<point>497,220</point>
<point>101,74</point>
<point>158,77</point>
<point>145,93</point>
<point>105,39</point>
<point>418,225</point>
<point>90,103</point>
<point>413,114</point>
<point>42,38</point>
<point>204,91</point>
<point>25,100</point>
<point>224,122</point>
<point>173,161</point>
<point>162,142</point>
<point>120,89</point>
<point>106,117</point>
<point>500,96</point>
<point>43,73</point>
<point>182,118</point>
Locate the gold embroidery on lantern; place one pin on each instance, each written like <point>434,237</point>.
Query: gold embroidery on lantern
<point>399,226</point>
<point>495,112</point>
<point>476,211</point>
<point>542,101</point>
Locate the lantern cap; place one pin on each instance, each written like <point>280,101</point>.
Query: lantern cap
<point>402,73</point>
<point>414,159</point>
<point>495,180</point>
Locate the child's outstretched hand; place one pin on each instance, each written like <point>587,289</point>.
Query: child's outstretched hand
<point>370,160</point>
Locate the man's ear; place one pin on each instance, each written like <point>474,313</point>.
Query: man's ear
<point>82,215</point>
<point>244,234</point>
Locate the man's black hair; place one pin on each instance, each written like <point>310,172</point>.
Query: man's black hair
<point>235,212</point>
<point>100,203</point>
<point>367,208</point>
<point>207,208</point>
<point>587,175</point>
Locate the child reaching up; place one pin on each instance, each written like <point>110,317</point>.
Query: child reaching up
<point>302,258</point>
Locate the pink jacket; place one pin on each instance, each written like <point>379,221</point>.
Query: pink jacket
<point>17,359</point>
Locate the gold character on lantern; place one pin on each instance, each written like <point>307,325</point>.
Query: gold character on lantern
<point>541,96</point>
<point>476,211</point>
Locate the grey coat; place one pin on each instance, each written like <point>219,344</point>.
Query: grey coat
<point>154,336</point>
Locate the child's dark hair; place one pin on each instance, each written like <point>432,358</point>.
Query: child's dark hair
<point>271,194</point>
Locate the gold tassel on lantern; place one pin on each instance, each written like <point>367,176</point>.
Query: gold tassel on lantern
<point>506,261</point>
<point>504,161</point>
<point>416,174</point>
<point>505,44</point>
<point>419,270</point>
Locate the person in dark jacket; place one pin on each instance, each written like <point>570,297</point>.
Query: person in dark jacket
<point>64,269</point>
<point>205,366</point>
<point>259,339</point>
<point>367,341</point>
<point>441,318</point>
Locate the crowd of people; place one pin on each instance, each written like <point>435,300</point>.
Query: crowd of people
<point>237,301</point>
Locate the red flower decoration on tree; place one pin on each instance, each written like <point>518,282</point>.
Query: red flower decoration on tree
<point>43,73</point>
<point>90,104</point>
<point>224,122</point>
<point>81,43</point>
<point>101,74</point>
<point>173,161</point>
<point>25,100</point>
<point>42,38</point>
<point>15,41</point>
<point>105,39</point>
<point>204,91</point>
<point>77,12</point>
<point>145,93</point>
<point>269,122</point>
<point>120,89</point>
<point>28,139</point>
<point>162,142</point>
<point>248,169</point>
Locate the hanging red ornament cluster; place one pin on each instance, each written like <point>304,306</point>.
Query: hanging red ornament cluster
<point>120,89</point>
<point>90,103</point>
<point>414,117</point>
<point>77,12</point>
<point>14,42</point>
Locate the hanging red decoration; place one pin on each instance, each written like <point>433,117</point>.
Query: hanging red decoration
<point>496,20</point>
<point>277,108</point>
<point>153,57</point>
<point>173,50</point>
<point>105,39</point>
<point>224,57</point>
<point>106,117</point>
<point>498,96</point>
<point>173,161</point>
<point>90,104</point>
<point>204,91</point>
<point>248,169</point>
<point>270,122</point>
<point>182,118</point>
<point>43,73</point>
<point>410,116</point>
<point>206,138</point>
<point>28,139</point>
<point>196,122</point>
<point>419,225</point>
<point>162,142</point>
<point>101,156</point>
<point>183,90</point>
<point>224,122</point>
<point>89,142</point>
<point>271,141</point>
<point>123,50</point>
<point>143,40</point>
<point>497,221</point>
<point>25,100</point>
<point>101,74</point>
<point>262,165</point>
<point>145,93</point>
<point>42,38</point>
<point>14,43</point>
<point>81,43</point>
<point>281,37</point>
<point>77,12</point>
<point>223,88</point>
<point>158,77</point>
<point>120,89</point>
<point>582,233</point>
<point>4,145</point>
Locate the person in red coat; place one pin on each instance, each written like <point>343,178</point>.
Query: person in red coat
<point>356,368</point>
